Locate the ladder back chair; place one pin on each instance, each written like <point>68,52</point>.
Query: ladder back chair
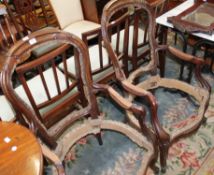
<point>141,85</point>
<point>91,125</point>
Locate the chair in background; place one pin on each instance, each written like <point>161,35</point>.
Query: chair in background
<point>149,80</point>
<point>206,47</point>
<point>198,45</point>
<point>62,88</point>
<point>45,11</point>
<point>27,19</point>
<point>28,16</point>
<point>9,35</point>
<point>72,18</point>
<point>101,67</point>
<point>100,63</point>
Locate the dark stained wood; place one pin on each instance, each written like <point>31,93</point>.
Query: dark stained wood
<point>93,125</point>
<point>28,16</point>
<point>8,35</point>
<point>20,151</point>
<point>90,10</point>
<point>34,116</point>
<point>142,90</point>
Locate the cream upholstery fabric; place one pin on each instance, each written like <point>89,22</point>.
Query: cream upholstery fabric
<point>45,48</point>
<point>6,111</point>
<point>94,60</point>
<point>35,85</point>
<point>67,11</point>
<point>80,27</point>
<point>131,30</point>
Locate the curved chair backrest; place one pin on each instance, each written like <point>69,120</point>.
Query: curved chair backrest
<point>26,45</point>
<point>136,7</point>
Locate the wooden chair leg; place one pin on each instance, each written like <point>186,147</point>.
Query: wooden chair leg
<point>181,71</point>
<point>99,138</point>
<point>163,149</point>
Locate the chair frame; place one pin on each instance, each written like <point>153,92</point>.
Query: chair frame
<point>164,140</point>
<point>93,125</point>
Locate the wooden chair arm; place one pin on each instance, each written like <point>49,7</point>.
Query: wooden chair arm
<point>123,102</point>
<point>137,91</point>
<point>186,57</point>
<point>126,104</point>
<point>91,33</point>
<point>51,156</point>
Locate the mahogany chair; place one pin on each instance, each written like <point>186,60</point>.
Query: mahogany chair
<point>28,16</point>
<point>92,122</point>
<point>8,35</point>
<point>25,10</point>
<point>136,56</point>
<point>197,45</point>
<point>72,18</point>
<point>45,11</point>
<point>143,93</point>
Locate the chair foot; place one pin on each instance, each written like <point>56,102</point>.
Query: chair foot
<point>99,139</point>
<point>204,121</point>
<point>163,169</point>
<point>164,148</point>
<point>154,168</point>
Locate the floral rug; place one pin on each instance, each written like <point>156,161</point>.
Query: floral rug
<point>120,156</point>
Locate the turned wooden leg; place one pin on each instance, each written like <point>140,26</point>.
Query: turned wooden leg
<point>163,149</point>
<point>99,138</point>
<point>181,71</point>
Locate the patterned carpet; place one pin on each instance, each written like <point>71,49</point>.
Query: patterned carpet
<point>120,156</point>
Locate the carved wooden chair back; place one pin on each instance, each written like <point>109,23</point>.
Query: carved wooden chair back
<point>28,16</point>
<point>8,32</point>
<point>53,87</point>
<point>148,74</point>
<point>49,135</point>
<point>42,85</point>
<point>100,63</point>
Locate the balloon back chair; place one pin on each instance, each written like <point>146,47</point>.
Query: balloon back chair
<point>58,92</point>
<point>143,83</point>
